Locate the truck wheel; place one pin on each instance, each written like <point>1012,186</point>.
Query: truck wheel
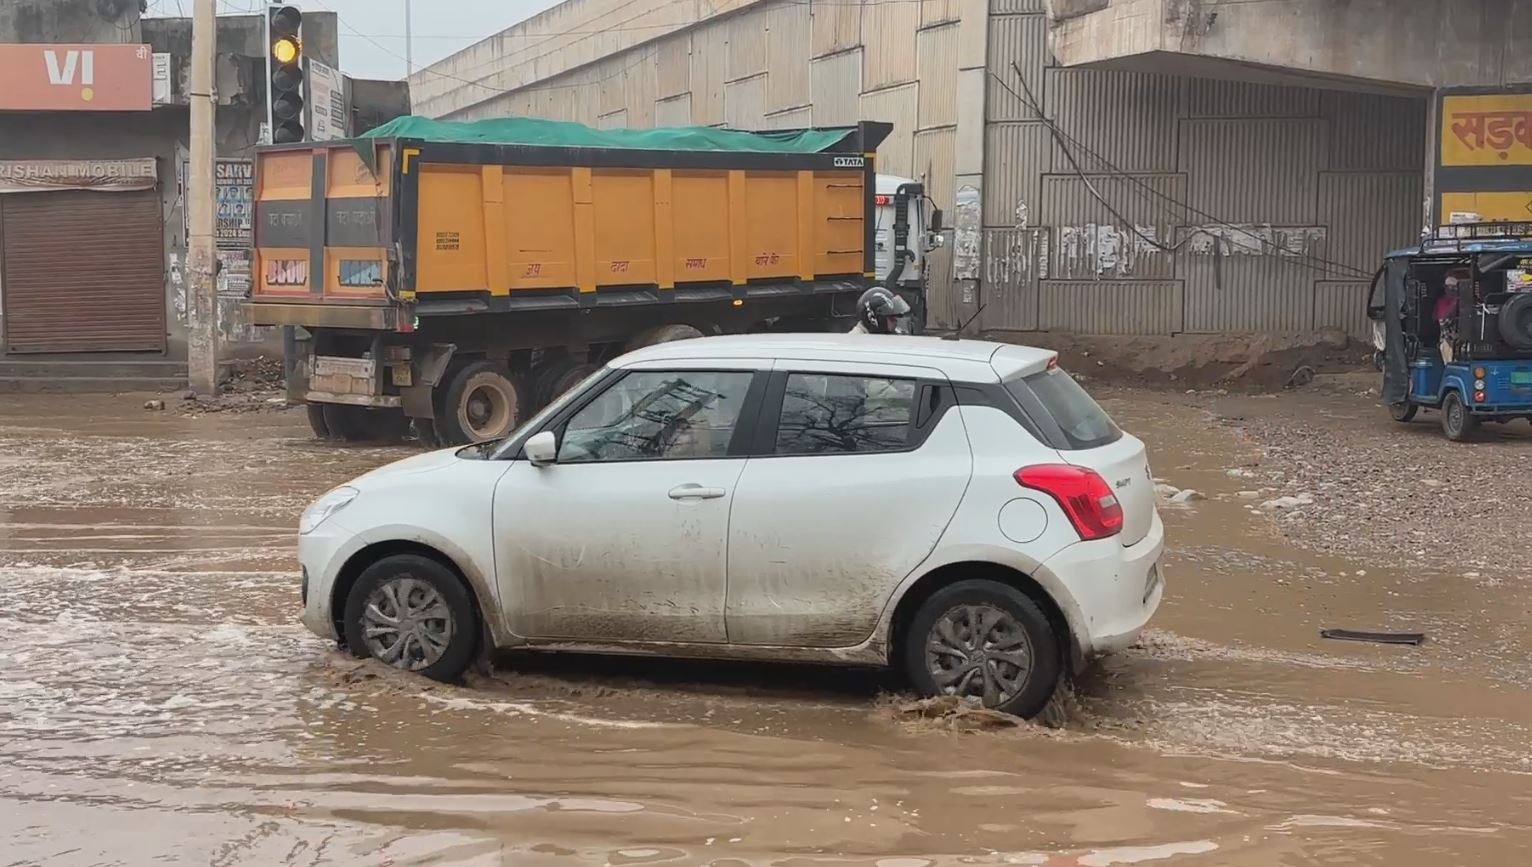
<point>321,428</point>
<point>345,423</point>
<point>663,334</point>
<point>361,424</point>
<point>425,432</point>
<point>559,377</point>
<point>1457,422</point>
<point>385,425</point>
<point>483,403</point>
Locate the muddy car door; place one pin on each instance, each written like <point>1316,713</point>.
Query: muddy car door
<point>622,537</point>
<point>857,470</point>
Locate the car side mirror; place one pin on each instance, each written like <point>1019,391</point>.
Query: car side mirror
<point>542,449</point>
<point>936,221</point>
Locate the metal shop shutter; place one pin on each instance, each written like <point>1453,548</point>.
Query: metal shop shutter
<point>83,272</point>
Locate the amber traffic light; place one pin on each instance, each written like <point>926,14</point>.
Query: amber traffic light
<point>284,63</point>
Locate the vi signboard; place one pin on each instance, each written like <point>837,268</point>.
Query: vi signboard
<point>86,77</point>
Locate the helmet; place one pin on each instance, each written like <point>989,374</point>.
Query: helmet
<point>882,312</point>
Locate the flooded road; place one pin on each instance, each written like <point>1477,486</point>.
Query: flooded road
<point>160,703</point>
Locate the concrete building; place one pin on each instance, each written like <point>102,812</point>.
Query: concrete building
<point>93,141</point>
<point>1108,166</point>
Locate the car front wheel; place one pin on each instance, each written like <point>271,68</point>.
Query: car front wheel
<point>987,641</point>
<point>413,613</point>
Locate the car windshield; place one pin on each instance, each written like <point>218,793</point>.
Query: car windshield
<point>1084,423</point>
<point>502,449</point>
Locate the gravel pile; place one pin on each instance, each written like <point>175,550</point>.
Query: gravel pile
<point>1401,493</point>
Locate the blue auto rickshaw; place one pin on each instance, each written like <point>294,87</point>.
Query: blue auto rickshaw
<point>1455,320</point>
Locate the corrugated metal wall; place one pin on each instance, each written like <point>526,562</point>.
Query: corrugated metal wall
<point>1176,204</point>
<point>1233,205</point>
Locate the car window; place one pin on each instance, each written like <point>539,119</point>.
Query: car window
<point>1084,423</point>
<point>651,415</point>
<point>824,414</point>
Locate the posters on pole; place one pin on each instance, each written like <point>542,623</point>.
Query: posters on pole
<point>326,102</point>
<point>234,182</point>
<point>234,273</point>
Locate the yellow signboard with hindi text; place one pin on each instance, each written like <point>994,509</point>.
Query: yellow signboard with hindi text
<point>1487,130</point>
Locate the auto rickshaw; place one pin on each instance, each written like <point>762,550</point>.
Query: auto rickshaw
<point>1456,326</point>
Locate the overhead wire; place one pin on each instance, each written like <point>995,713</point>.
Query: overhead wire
<point>645,55</point>
<point>1064,139</point>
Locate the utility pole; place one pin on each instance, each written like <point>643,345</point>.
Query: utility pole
<point>409,44</point>
<point>201,257</point>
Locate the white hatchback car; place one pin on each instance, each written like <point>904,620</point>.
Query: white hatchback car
<point>958,509</point>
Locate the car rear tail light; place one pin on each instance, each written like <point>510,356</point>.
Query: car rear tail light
<point>1084,496</point>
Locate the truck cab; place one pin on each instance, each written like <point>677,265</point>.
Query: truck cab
<point>907,229</point>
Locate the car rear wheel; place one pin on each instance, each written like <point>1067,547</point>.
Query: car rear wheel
<point>1458,423</point>
<point>986,641</point>
<point>413,613</point>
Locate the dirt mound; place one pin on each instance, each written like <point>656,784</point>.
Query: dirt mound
<point>251,385</point>
<point>1238,362</point>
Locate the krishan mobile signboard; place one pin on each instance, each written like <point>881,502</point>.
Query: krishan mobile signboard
<point>1484,169</point>
<point>33,176</point>
<point>86,77</point>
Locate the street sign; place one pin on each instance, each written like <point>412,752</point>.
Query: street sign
<point>326,102</point>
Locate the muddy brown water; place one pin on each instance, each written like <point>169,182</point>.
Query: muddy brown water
<point>160,704</point>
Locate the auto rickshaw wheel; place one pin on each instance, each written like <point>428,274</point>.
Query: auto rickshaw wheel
<point>1458,423</point>
<point>1403,411</point>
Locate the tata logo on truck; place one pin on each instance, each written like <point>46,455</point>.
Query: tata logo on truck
<point>850,162</point>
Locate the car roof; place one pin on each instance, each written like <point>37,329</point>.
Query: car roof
<point>959,360</point>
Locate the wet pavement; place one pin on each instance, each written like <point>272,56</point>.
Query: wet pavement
<point>159,702</point>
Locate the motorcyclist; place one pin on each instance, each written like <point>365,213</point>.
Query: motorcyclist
<point>880,311</point>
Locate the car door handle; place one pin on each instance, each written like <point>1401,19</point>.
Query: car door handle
<point>695,492</point>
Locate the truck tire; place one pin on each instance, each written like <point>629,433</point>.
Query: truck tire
<point>482,403</point>
<point>315,412</point>
<point>361,424</point>
<point>556,377</point>
<point>662,334</point>
<point>424,430</point>
<point>345,423</point>
<point>1516,322</point>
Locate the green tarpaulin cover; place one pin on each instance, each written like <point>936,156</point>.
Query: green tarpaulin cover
<point>558,133</point>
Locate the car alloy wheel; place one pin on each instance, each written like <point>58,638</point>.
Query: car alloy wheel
<point>979,651</point>
<point>984,641</point>
<point>415,613</point>
<point>407,624</point>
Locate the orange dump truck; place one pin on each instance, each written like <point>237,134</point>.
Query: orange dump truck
<point>461,275</point>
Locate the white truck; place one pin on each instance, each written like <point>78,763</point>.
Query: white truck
<point>908,228</point>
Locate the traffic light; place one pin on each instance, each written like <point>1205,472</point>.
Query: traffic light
<point>284,73</point>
